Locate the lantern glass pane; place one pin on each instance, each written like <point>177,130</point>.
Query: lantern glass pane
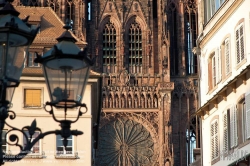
<point>12,56</point>
<point>66,84</point>
<point>9,93</point>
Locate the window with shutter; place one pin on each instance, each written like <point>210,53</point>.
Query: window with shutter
<point>36,148</point>
<point>233,127</point>
<point>225,132</point>
<point>227,57</point>
<point>214,139</point>
<point>239,37</point>
<point>4,143</point>
<point>247,115</point>
<point>32,98</point>
<point>218,65</point>
<point>210,82</point>
<point>30,60</point>
<point>61,149</point>
<point>211,6</point>
<point>243,120</point>
<point>214,70</point>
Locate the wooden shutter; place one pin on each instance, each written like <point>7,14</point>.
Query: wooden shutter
<point>214,130</point>
<point>212,7</point>
<point>233,126</point>
<point>214,71</point>
<point>212,140</point>
<point>216,138</point>
<point>219,59</point>
<point>247,120</point>
<point>225,132</point>
<point>32,97</point>
<point>227,57</point>
<point>210,77</point>
<point>218,65</point>
<point>237,46</point>
<point>242,49</point>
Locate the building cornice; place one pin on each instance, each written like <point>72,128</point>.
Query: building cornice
<point>205,109</point>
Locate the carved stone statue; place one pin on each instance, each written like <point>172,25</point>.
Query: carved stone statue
<point>142,102</point>
<point>104,102</point>
<point>116,102</point>
<point>155,102</point>
<point>129,102</point>
<point>110,102</point>
<point>136,102</point>
<point>149,102</point>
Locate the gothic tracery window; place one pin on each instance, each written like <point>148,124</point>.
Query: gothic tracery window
<point>55,5</point>
<point>70,12</point>
<point>191,35</point>
<point>173,27</point>
<point>109,48</point>
<point>135,48</point>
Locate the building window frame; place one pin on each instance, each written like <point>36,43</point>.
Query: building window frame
<point>240,43</point>
<point>225,120</point>
<point>70,12</point>
<point>4,141</point>
<point>214,139</point>
<point>38,144</point>
<point>233,126</point>
<point>59,144</point>
<point>109,48</point>
<point>214,71</point>
<point>211,7</point>
<point>27,94</point>
<point>227,57</point>
<point>30,60</point>
<point>135,45</point>
<point>247,116</point>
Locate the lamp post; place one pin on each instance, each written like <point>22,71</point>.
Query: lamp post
<point>66,71</point>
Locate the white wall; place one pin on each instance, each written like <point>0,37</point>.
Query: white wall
<point>228,27</point>
<point>216,40</point>
<point>82,144</point>
<point>206,123</point>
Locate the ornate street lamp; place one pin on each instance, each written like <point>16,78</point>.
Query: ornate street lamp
<point>66,69</point>
<point>15,38</point>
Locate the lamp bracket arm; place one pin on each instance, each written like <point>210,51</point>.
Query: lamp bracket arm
<point>50,111</point>
<point>80,113</point>
<point>27,148</point>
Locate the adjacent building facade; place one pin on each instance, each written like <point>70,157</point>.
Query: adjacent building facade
<point>31,95</point>
<point>223,49</point>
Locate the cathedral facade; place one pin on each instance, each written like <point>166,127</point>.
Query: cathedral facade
<point>145,50</point>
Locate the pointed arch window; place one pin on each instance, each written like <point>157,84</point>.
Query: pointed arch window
<point>109,48</point>
<point>135,48</point>
<point>55,5</point>
<point>70,12</point>
<point>191,36</point>
<point>172,20</point>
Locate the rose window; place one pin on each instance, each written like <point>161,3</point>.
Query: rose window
<point>124,142</point>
